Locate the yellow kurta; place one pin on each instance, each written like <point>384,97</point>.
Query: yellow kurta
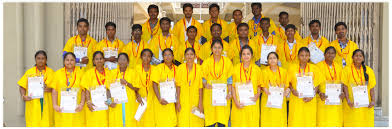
<point>357,117</point>
<point>221,72</point>
<point>165,115</point>
<point>255,29</point>
<point>207,31</point>
<point>247,116</point>
<point>59,83</point>
<point>179,29</point>
<point>273,117</point>
<point>236,48</point>
<point>90,43</point>
<point>233,34</point>
<point>322,43</point>
<point>303,114</point>
<point>160,43</point>
<point>144,83</point>
<point>134,50</point>
<point>290,56</point>
<point>190,82</point>
<point>116,113</point>
<point>206,50</point>
<point>271,40</point>
<point>105,44</point>
<point>329,115</point>
<point>33,115</point>
<point>345,53</point>
<point>148,32</point>
<point>282,35</point>
<point>89,80</point>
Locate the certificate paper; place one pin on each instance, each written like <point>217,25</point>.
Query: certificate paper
<point>80,52</point>
<point>333,92</point>
<point>118,92</point>
<point>140,110</point>
<point>167,91</point>
<point>265,50</point>
<point>219,93</point>
<point>245,93</point>
<point>305,85</point>
<point>109,52</point>
<point>275,99</point>
<point>35,87</point>
<point>316,55</point>
<point>98,97</point>
<point>361,98</point>
<point>68,101</point>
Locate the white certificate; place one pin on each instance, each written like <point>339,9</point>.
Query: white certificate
<point>195,111</point>
<point>80,52</point>
<point>167,91</point>
<point>265,50</point>
<point>333,92</point>
<point>219,93</point>
<point>305,86</point>
<point>35,87</point>
<point>98,97</point>
<point>245,93</point>
<point>316,55</point>
<point>68,102</point>
<point>118,92</point>
<point>140,110</point>
<point>109,52</point>
<point>275,99</point>
<point>361,98</point>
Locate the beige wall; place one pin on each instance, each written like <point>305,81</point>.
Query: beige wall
<point>384,70</point>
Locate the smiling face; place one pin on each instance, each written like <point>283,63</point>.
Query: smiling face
<point>168,56</point>
<point>265,25</point>
<point>217,49</point>
<point>341,31</point>
<point>69,61</point>
<point>189,56</point>
<point>246,55</point>
<point>304,56</point>
<point>188,11</point>
<point>314,28</point>
<point>153,13</point>
<point>358,58</point>
<point>82,28</point>
<point>272,60</point>
<point>290,33</point>
<point>284,19</point>
<point>330,55</point>
<point>111,31</point>
<point>99,60</point>
<point>123,61</point>
<point>243,32</point>
<point>191,34</point>
<point>214,12</point>
<point>256,10</point>
<point>146,57</point>
<point>165,25</point>
<point>137,33</point>
<point>237,16</point>
<point>216,32</point>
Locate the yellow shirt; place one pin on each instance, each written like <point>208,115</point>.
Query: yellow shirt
<point>303,114</point>
<point>207,31</point>
<point>196,45</point>
<point>345,53</point>
<point>322,43</point>
<point>206,50</point>
<point>148,32</point>
<point>271,40</point>
<point>105,44</point>
<point>236,48</point>
<point>144,83</point>
<point>89,42</point>
<point>357,117</point>
<point>282,35</point>
<point>273,117</point>
<point>289,56</point>
<point>189,81</point>
<point>255,29</point>
<point>91,79</point>
<point>216,71</point>
<point>233,34</point>
<point>134,50</point>
<point>248,116</point>
<point>59,83</point>
<point>329,115</point>
<point>180,27</point>
<point>165,115</point>
<point>160,43</point>
<point>33,115</point>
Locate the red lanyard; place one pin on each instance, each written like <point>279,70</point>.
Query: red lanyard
<point>265,41</point>
<point>137,51</point>
<point>148,77</point>
<point>254,29</point>
<point>290,55</point>
<point>82,41</point>
<point>187,74</point>
<point>320,41</point>
<point>66,77</point>
<point>39,73</point>
<point>159,41</point>
<point>333,78</point>
<point>250,70</point>
<point>96,75</point>
<point>358,75</point>
<point>299,69</point>
<point>149,28</point>
<point>174,69</point>
<point>276,80</point>
<point>107,45</point>
<point>215,75</point>
<point>341,53</point>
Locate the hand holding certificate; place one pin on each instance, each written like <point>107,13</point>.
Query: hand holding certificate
<point>80,52</point>
<point>305,86</point>
<point>118,92</point>
<point>265,50</point>
<point>316,55</point>
<point>219,93</point>
<point>275,98</point>
<point>98,98</point>
<point>141,109</point>
<point>167,91</point>
<point>35,87</point>
<point>68,102</point>
<point>245,93</point>
<point>333,91</point>
<point>360,95</point>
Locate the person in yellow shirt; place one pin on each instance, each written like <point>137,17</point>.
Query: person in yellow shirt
<point>67,80</point>
<point>121,114</point>
<point>329,115</point>
<point>241,40</point>
<point>237,16</point>
<point>38,110</point>
<point>92,79</point>
<point>315,38</point>
<point>151,26</point>
<point>135,47</point>
<point>284,21</point>
<point>181,26</point>
<point>214,18</point>
<point>146,92</point>
<point>190,93</point>
<point>216,70</point>
<point>358,74</point>
<point>192,42</point>
<point>343,46</point>
<point>245,113</point>
<point>290,47</point>
<point>84,44</point>
<point>254,23</point>
<point>110,46</point>
<point>216,32</point>
<point>165,112</point>
<point>165,40</point>
<point>303,105</point>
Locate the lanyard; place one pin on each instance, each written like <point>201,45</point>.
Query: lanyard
<point>216,75</point>
<point>320,41</point>
<point>333,66</point>
<point>159,42</point>
<point>107,44</point>
<point>66,77</point>
<point>40,73</point>
<point>243,69</point>
<point>88,44</point>
<point>299,69</point>
<point>187,74</point>
<point>96,75</point>
<point>149,28</point>
<point>137,51</point>
<point>276,79</point>
<point>358,75</point>
<point>147,76</point>
<point>174,69</point>
<point>292,55</point>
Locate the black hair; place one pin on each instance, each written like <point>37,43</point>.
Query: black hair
<point>43,53</point>
<point>241,25</point>
<point>246,47</point>
<point>215,24</point>
<point>175,62</point>
<point>236,11</point>
<point>329,48</point>
<point>190,49</point>
<point>146,50</point>
<point>265,19</point>
<point>290,26</point>
<point>110,24</point>
<point>69,53</point>
<point>136,26</point>
<point>363,63</point>
<point>187,5</point>
<point>95,54</point>
<point>167,49</point>
<point>152,6</point>
<point>164,19</point>
<point>123,54</point>
<point>83,20</point>
<point>314,21</point>
<point>340,24</point>
<point>283,13</point>
<point>191,27</point>
<point>212,6</point>
<point>306,49</point>
<point>215,42</point>
<point>273,53</point>
<point>257,4</point>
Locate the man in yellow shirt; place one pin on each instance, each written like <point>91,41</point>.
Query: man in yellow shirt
<point>110,46</point>
<point>214,18</point>
<point>237,16</point>
<point>151,26</point>
<point>254,23</point>
<point>181,26</point>
<point>216,32</point>
<point>316,39</point>
<point>136,46</point>
<point>284,20</point>
<point>343,46</point>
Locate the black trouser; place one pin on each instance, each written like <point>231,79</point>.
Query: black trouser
<point>219,125</point>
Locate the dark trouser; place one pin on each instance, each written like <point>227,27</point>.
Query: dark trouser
<point>217,123</point>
